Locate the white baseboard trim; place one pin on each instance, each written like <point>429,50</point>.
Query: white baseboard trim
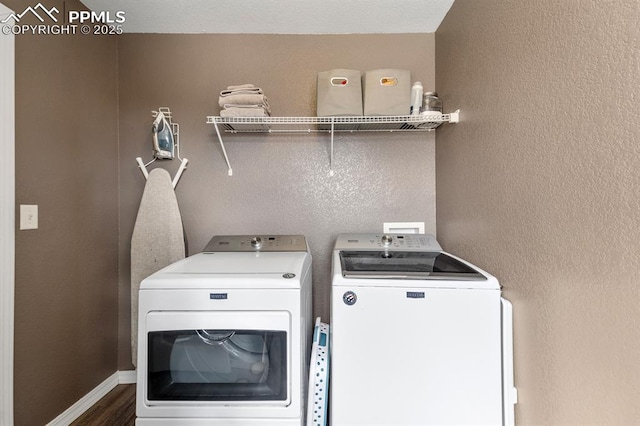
<point>127,377</point>
<point>87,401</point>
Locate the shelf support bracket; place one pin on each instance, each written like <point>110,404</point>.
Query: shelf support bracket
<point>331,158</point>
<point>224,151</point>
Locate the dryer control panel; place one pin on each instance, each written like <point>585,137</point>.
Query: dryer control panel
<point>249,243</point>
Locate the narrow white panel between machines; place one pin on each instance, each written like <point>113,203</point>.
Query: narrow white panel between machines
<point>418,336</point>
<point>225,335</point>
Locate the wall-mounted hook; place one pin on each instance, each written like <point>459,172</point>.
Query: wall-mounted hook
<point>166,142</point>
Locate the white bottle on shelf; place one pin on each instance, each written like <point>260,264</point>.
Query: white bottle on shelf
<point>416,98</point>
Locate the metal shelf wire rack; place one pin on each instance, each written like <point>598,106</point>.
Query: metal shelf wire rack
<point>396,123</point>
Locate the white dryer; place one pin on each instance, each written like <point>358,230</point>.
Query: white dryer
<point>224,335</point>
<point>418,336</point>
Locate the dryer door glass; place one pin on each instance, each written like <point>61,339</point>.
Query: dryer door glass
<point>217,365</point>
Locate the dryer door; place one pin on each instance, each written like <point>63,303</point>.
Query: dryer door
<point>224,357</point>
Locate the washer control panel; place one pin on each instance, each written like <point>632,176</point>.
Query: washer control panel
<point>403,242</point>
<point>249,243</point>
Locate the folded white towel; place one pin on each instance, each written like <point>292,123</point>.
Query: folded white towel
<point>243,99</point>
<point>263,106</point>
<point>240,86</point>
<point>244,112</point>
<point>242,89</point>
<point>241,92</point>
<point>227,106</point>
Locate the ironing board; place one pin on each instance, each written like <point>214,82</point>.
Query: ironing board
<point>157,240</point>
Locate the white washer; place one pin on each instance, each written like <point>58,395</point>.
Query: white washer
<point>224,336</point>
<point>418,336</point>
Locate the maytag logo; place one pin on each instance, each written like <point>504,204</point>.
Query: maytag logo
<point>218,296</point>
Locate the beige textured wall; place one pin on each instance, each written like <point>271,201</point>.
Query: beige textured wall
<point>66,282</point>
<point>280,183</point>
<point>540,184</point>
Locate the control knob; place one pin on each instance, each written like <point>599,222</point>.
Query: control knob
<point>256,242</point>
<point>386,240</point>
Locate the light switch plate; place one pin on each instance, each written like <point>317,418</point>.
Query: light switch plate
<point>28,217</point>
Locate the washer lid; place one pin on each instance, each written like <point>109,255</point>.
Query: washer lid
<point>232,270</point>
<point>405,265</point>
<point>250,264</point>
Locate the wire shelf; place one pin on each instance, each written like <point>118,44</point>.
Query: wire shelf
<point>395,123</point>
<point>330,124</point>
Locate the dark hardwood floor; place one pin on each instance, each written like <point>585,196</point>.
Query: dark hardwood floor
<point>117,408</point>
